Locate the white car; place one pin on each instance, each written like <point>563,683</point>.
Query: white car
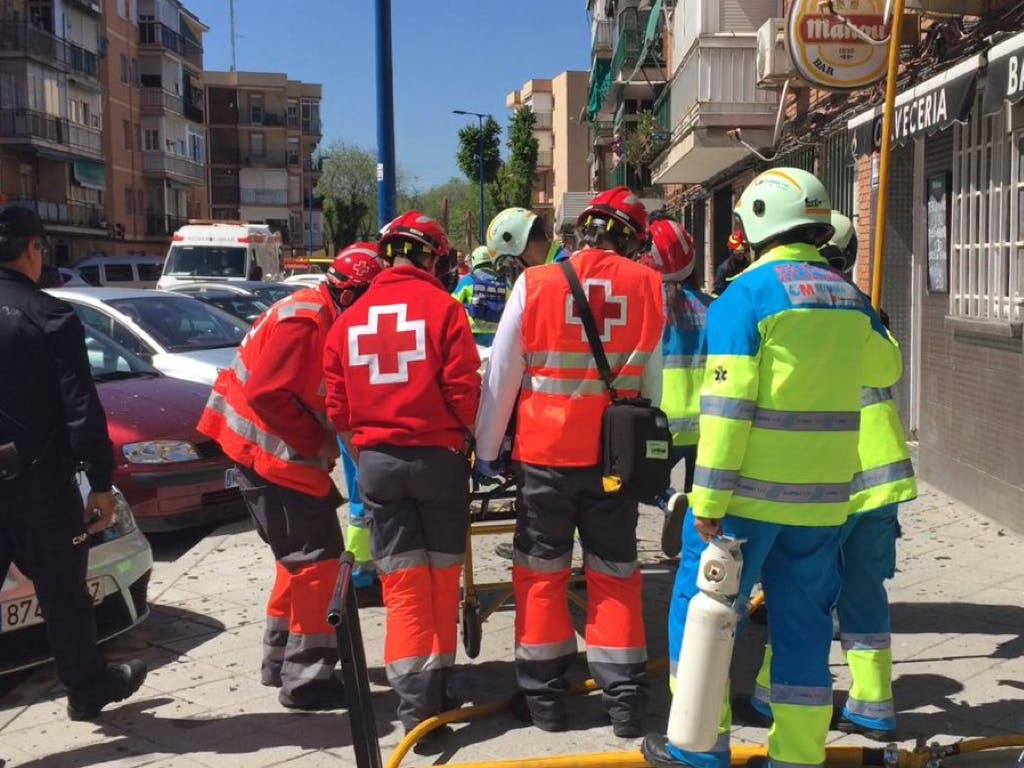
<point>310,279</point>
<point>179,335</point>
<point>120,564</point>
<point>72,278</point>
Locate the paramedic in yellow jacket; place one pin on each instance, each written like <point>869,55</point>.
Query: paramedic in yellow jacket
<point>868,540</point>
<point>789,346</point>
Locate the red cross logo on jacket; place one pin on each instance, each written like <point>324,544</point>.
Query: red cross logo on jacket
<point>608,310</point>
<point>387,343</point>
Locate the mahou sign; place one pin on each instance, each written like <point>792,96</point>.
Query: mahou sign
<point>827,53</point>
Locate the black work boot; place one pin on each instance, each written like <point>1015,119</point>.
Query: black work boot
<point>119,681</point>
<point>547,713</point>
<point>330,695</point>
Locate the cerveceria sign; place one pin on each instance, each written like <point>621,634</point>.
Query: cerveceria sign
<point>828,53</point>
<point>1005,79</point>
<point>931,106</point>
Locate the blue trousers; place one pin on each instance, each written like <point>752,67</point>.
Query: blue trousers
<point>801,566</point>
<point>358,533</point>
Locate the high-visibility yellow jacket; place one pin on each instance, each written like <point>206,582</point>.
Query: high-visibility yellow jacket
<point>790,345</point>
<point>886,474</point>
<point>684,346</point>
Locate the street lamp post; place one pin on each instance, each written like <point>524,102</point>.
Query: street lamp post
<point>480,152</point>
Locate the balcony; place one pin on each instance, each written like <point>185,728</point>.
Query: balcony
<point>542,121</point>
<point>68,214</point>
<point>27,40</point>
<point>164,224</point>
<point>31,126</point>
<point>545,159</point>
<point>311,127</point>
<point>194,113</point>
<point>601,38</point>
<point>271,158</point>
<point>159,100</point>
<point>173,165</point>
<point>277,197</point>
<point>603,131</point>
<point>627,50</point>
<point>714,90</point>
<point>155,34</point>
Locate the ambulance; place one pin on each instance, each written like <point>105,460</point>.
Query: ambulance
<point>221,251</point>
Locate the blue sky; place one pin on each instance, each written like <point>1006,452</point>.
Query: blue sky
<point>459,54</point>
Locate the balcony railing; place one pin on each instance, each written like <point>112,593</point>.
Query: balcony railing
<point>264,197</point>
<point>164,224</point>
<point>542,121</point>
<point>602,129</point>
<point>268,119</point>
<point>601,38</point>
<point>160,99</point>
<point>271,158</point>
<point>155,33</point>
<point>70,213</point>
<point>24,38</point>
<point>716,86</point>
<point>311,127</point>
<point>164,162</point>
<point>627,49</point>
<point>29,124</point>
<point>545,159</point>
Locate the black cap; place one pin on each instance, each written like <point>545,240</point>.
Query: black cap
<point>16,221</point>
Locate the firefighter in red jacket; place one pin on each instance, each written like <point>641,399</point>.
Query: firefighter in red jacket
<point>541,348</point>
<point>403,386</point>
<point>267,412</point>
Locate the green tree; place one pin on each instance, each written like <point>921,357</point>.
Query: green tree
<point>468,155</point>
<point>348,189</point>
<point>514,184</point>
<point>462,200</point>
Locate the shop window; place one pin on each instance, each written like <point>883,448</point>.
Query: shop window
<point>987,244</point>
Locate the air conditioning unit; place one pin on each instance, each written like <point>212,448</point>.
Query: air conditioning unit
<point>774,65</point>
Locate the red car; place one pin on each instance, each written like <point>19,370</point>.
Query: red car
<point>173,476</point>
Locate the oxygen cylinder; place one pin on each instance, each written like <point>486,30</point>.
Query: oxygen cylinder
<point>702,674</point>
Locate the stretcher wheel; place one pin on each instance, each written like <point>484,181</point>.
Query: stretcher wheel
<point>472,629</point>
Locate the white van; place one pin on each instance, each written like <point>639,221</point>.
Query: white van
<point>128,271</point>
<point>221,252</point>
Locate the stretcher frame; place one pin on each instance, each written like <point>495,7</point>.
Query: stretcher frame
<point>492,512</point>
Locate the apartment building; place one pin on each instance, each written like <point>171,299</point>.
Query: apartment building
<point>264,131</point>
<point>562,140</point>
<point>51,115</point>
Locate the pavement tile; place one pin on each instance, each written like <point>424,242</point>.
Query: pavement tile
<point>184,673</point>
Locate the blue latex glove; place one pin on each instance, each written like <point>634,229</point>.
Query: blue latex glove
<point>488,472</point>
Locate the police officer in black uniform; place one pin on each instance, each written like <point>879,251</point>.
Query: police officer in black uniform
<point>51,421</point>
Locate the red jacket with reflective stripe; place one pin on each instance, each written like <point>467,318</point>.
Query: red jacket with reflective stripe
<point>402,367</point>
<point>237,419</point>
<point>563,398</point>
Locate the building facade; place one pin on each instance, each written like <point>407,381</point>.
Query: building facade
<point>264,131</point>
<point>562,141</point>
<point>51,118</point>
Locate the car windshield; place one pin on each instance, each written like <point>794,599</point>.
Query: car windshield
<point>274,292</point>
<point>182,324</point>
<point>246,308</point>
<point>109,361</point>
<point>205,261</point>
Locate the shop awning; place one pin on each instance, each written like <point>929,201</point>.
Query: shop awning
<point>601,83</point>
<point>928,107</point>
<point>1005,78</point>
<point>90,174</point>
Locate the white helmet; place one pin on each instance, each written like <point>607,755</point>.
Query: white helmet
<point>782,200</point>
<point>841,250</point>
<point>509,232</point>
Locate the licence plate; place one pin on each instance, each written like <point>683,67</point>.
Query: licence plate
<point>25,612</point>
<point>230,479</point>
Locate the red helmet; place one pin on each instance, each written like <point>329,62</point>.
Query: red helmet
<point>619,205</point>
<point>672,250</point>
<point>737,241</point>
<point>414,228</point>
<point>354,267</point>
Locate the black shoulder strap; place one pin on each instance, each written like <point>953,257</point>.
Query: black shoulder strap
<point>589,325</point>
